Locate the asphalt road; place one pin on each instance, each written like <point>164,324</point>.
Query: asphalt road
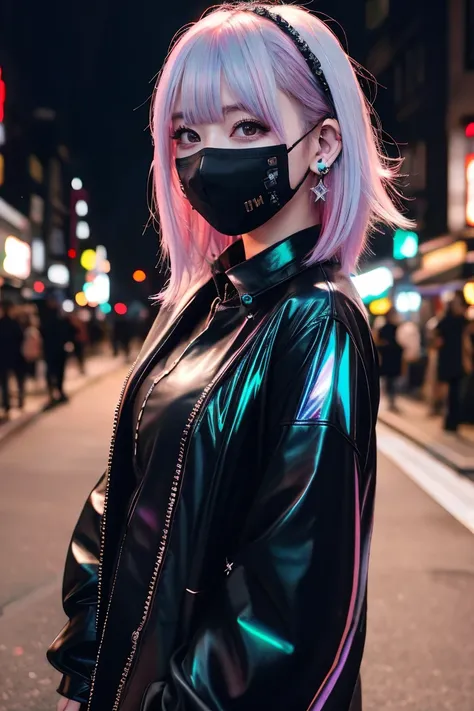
<point>420,647</point>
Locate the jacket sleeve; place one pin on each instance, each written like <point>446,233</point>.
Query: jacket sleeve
<point>286,629</point>
<point>74,650</point>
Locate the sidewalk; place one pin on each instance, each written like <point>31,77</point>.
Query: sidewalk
<point>457,451</point>
<point>36,395</point>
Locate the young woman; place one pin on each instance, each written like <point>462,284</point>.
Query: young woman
<point>221,562</point>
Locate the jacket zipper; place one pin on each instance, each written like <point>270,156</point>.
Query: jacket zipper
<point>212,312</point>
<point>173,497</point>
<point>103,524</point>
<point>104,514</point>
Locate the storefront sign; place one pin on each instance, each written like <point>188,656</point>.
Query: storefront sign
<point>444,259</point>
<point>16,258</point>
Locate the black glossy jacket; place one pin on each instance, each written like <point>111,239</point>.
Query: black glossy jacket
<point>246,588</point>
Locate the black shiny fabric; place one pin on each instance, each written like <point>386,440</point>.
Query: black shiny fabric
<point>237,526</point>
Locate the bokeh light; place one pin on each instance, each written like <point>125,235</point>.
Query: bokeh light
<point>139,275</point>
<point>81,299</point>
<point>88,259</point>
<point>120,309</point>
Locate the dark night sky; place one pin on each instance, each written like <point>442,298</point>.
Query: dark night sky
<point>97,64</point>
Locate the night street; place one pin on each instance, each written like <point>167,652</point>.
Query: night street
<point>268,208</point>
<point>421,607</point>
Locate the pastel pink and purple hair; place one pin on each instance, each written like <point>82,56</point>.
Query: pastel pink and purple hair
<point>255,58</point>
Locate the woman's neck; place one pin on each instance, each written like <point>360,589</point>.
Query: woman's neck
<point>265,236</point>
<point>298,214</point>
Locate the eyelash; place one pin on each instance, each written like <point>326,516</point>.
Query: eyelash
<point>181,130</point>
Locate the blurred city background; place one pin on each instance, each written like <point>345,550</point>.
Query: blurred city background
<point>78,264</point>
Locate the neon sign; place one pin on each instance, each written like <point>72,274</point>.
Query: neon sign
<point>445,258</point>
<point>470,189</point>
<point>374,283</point>
<point>3,94</point>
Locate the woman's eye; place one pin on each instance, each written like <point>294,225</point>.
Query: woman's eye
<point>249,129</point>
<point>185,136</point>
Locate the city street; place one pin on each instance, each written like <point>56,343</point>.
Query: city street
<point>421,607</point>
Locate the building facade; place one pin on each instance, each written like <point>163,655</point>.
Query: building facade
<point>423,61</point>
<point>408,48</point>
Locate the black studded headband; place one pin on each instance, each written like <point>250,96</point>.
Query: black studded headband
<point>310,58</point>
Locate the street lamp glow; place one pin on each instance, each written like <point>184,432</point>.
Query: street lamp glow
<point>139,275</point>
<point>81,299</point>
<point>88,259</point>
<point>407,301</point>
<point>58,274</point>
<point>82,208</point>
<point>98,290</point>
<point>82,230</point>
<point>76,184</point>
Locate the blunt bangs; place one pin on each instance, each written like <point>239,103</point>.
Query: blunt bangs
<point>235,55</point>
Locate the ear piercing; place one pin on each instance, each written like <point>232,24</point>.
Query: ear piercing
<point>320,190</point>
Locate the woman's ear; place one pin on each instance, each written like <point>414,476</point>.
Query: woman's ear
<point>327,144</point>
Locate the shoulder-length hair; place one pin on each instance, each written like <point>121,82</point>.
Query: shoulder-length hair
<point>255,59</point>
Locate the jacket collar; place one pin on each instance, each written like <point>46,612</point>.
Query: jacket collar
<point>267,269</point>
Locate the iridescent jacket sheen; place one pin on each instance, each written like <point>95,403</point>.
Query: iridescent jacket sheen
<point>233,576</point>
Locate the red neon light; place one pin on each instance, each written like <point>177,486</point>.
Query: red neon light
<point>470,189</point>
<point>39,287</point>
<point>71,253</point>
<point>120,309</point>
<point>3,93</point>
<point>470,130</point>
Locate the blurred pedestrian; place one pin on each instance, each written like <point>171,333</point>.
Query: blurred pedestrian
<point>56,332</point>
<point>390,352</point>
<point>80,339</point>
<point>409,338</point>
<point>12,362</point>
<point>32,348</point>
<point>432,388</point>
<point>122,336</point>
<point>454,357</point>
<point>468,390</point>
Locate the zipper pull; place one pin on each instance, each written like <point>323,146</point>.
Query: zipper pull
<point>214,307</point>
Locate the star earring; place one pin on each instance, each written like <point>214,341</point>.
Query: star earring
<point>320,190</point>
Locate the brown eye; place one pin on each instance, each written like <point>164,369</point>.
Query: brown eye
<point>249,129</point>
<point>185,136</point>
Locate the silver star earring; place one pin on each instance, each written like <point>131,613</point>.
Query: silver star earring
<point>320,190</point>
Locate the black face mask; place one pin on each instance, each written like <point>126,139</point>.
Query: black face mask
<point>237,190</point>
